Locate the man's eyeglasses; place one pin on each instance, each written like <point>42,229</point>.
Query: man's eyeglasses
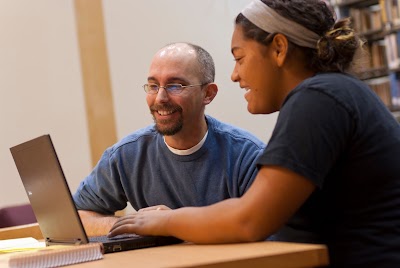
<point>173,89</point>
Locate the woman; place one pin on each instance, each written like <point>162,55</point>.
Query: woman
<point>330,172</point>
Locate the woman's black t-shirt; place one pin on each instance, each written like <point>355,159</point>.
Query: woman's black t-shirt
<point>335,131</point>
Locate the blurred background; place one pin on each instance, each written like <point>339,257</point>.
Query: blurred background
<point>42,83</point>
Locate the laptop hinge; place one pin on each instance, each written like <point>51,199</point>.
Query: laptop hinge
<point>54,241</point>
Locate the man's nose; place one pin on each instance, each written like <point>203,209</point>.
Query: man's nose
<point>162,95</point>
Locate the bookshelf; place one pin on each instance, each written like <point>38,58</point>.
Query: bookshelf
<point>378,21</point>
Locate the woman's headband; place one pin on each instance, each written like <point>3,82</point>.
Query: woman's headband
<point>270,21</point>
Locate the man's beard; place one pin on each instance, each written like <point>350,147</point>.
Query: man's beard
<point>170,130</point>
<point>159,124</point>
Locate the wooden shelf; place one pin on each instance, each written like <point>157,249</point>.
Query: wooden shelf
<point>373,73</point>
<point>374,35</point>
<point>396,114</point>
<point>357,3</point>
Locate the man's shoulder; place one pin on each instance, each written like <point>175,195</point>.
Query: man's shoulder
<point>232,132</point>
<point>137,138</point>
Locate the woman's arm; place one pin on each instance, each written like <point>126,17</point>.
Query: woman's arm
<point>272,199</point>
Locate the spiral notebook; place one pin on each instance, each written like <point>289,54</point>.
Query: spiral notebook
<point>50,256</point>
<point>50,197</point>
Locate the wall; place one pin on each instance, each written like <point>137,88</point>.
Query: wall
<point>40,88</point>
<point>41,85</point>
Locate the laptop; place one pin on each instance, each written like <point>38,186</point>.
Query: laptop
<point>53,205</point>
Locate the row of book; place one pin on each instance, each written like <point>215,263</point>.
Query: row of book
<point>378,57</point>
<point>384,53</point>
<point>382,14</point>
<point>367,19</point>
<point>390,10</point>
<point>378,21</point>
<point>388,89</point>
<point>392,43</point>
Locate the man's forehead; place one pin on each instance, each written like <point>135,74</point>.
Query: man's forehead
<point>176,49</point>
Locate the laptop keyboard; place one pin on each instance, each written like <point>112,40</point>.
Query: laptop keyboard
<point>104,238</point>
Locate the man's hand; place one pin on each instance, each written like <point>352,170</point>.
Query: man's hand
<point>96,224</point>
<point>144,222</point>
<point>158,207</point>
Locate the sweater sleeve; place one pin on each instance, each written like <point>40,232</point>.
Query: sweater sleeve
<point>101,191</point>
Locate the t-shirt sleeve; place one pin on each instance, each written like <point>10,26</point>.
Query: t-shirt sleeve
<point>101,191</point>
<point>310,135</point>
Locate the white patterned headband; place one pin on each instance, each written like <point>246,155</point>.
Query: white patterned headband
<point>270,21</point>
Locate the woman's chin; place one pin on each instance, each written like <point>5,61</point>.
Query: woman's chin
<point>254,110</point>
<point>251,110</point>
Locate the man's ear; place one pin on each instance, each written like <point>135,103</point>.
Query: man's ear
<point>211,91</point>
<point>280,46</point>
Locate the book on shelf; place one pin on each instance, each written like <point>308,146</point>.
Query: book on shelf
<point>392,9</point>
<point>385,15</point>
<point>392,50</point>
<point>367,19</point>
<point>395,90</point>
<point>388,89</point>
<point>28,253</point>
<point>377,51</point>
<point>395,8</point>
<point>381,86</point>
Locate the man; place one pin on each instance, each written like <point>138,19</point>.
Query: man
<point>185,159</point>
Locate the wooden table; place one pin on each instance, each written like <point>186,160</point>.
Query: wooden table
<point>26,230</point>
<point>252,255</point>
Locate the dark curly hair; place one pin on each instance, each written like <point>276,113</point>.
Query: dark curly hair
<point>337,46</point>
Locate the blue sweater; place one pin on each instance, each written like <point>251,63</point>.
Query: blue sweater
<point>140,169</point>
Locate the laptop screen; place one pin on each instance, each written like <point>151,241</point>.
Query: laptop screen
<point>48,191</point>
<point>52,203</point>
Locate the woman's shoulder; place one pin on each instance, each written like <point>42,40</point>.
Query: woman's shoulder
<point>339,86</point>
<point>333,80</point>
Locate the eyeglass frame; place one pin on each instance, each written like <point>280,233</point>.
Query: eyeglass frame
<point>165,88</point>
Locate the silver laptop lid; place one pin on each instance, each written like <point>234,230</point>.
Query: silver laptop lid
<point>48,191</point>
